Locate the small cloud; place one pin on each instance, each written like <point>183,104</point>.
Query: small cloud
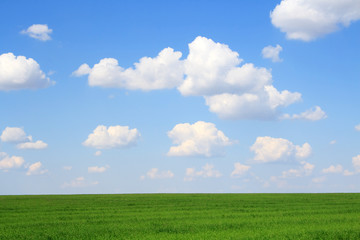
<point>348,173</point>
<point>272,53</point>
<point>333,142</point>
<point>319,180</point>
<point>314,114</point>
<point>67,168</point>
<point>32,145</point>
<point>357,127</point>
<point>333,169</point>
<point>207,171</point>
<point>97,169</point>
<point>38,31</point>
<point>356,163</point>
<point>79,182</point>
<point>305,170</point>
<point>18,135</point>
<point>154,173</point>
<point>7,162</point>
<point>36,169</point>
<point>97,153</point>
<point>84,69</point>
<point>239,170</point>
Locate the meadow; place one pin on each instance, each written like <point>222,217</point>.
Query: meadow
<point>181,216</point>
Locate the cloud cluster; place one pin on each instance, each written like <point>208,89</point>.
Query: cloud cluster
<point>7,162</point>
<point>96,169</point>
<point>207,171</point>
<point>333,169</point>
<point>198,139</point>
<point>38,31</point>
<point>272,53</point>
<point>231,89</point>
<point>19,72</point>
<point>18,135</point>
<point>239,170</point>
<point>268,149</point>
<point>112,137</point>
<point>313,114</point>
<point>154,173</point>
<point>305,170</point>
<point>307,20</point>
<point>356,163</point>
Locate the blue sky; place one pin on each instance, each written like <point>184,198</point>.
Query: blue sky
<point>179,96</point>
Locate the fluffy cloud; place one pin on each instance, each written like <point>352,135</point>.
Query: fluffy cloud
<point>7,162</point>
<point>231,89</point>
<point>79,182</point>
<point>305,170</point>
<point>19,72</point>
<point>207,171</point>
<point>357,127</point>
<point>314,114</point>
<point>18,135</point>
<point>36,169</point>
<point>239,170</point>
<point>198,139</point>
<point>163,71</point>
<point>32,145</point>
<point>272,53</point>
<point>333,169</point>
<point>268,149</point>
<point>154,173</point>
<point>356,163</point>
<point>112,137</point>
<point>97,169</point>
<point>309,19</point>
<point>38,31</point>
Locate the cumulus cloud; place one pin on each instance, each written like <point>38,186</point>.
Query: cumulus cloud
<point>32,145</point>
<point>38,31</point>
<point>239,170</point>
<point>268,149</point>
<point>356,163</point>
<point>154,173</point>
<point>97,169</point>
<point>348,173</point>
<point>7,162</point>
<point>18,135</point>
<point>305,170</point>
<point>357,127</point>
<point>19,72</point>
<point>207,171</point>
<point>79,182</point>
<point>112,137</point>
<point>163,71</point>
<point>198,139</point>
<point>307,20</point>
<point>272,53</point>
<point>314,114</point>
<point>333,169</point>
<point>36,169</point>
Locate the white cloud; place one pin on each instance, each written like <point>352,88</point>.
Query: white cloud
<point>268,149</point>
<point>84,69</point>
<point>7,162</point>
<point>348,173</point>
<point>154,173</point>
<point>272,53</point>
<point>14,134</point>
<point>19,72</point>
<point>239,170</point>
<point>163,71</point>
<point>79,182</point>
<point>38,31</point>
<point>356,163</point>
<point>307,20</point>
<point>67,168</point>
<point>98,153</point>
<point>36,169</point>
<point>207,171</point>
<point>305,170</point>
<point>314,114</point>
<point>319,180</point>
<point>97,169</point>
<point>18,135</point>
<point>32,145</point>
<point>333,169</point>
<point>333,142</point>
<point>357,127</point>
<point>112,137</point>
<point>198,139</point>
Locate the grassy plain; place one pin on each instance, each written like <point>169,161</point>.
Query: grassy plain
<point>181,216</point>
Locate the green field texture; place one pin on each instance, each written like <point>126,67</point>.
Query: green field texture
<point>181,216</point>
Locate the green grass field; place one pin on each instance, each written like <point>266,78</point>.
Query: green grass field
<point>181,216</point>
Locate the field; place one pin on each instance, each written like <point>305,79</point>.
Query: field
<point>181,216</point>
